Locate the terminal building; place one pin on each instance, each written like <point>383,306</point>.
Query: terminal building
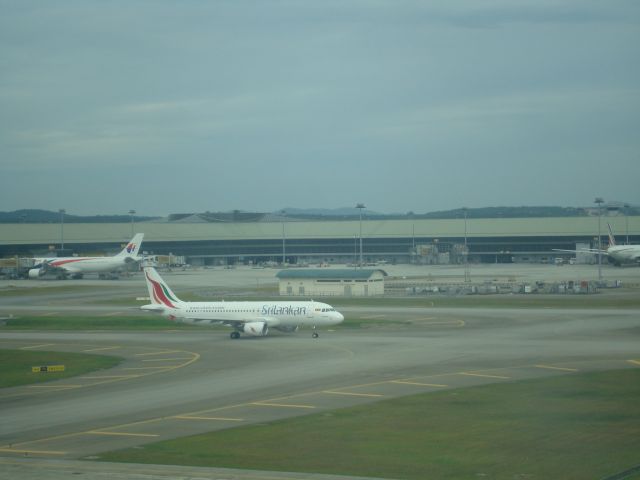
<point>260,240</point>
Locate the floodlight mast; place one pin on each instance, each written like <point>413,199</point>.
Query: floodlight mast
<point>62,211</point>
<point>467,274</point>
<point>360,206</point>
<point>599,201</point>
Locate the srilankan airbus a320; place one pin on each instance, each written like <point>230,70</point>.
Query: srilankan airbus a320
<point>250,318</point>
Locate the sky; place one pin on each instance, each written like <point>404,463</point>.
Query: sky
<point>191,106</point>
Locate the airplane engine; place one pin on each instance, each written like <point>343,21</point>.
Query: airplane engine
<point>256,329</point>
<point>36,272</point>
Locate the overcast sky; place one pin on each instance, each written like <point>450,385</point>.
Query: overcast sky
<point>188,106</point>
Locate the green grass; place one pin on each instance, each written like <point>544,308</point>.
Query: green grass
<point>571,427</point>
<point>495,301</point>
<point>16,365</point>
<point>80,322</point>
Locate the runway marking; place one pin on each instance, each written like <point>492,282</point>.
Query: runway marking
<point>156,353</point>
<point>164,359</point>
<point>66,385</point>
<point>37,346</point>
<point>98,377</point>
<point>470,374</point>
<point>122,434</point>
<point>49,314</point>
<point>35,452</point>
<point>282,405</point>
<point>452,322</point>
<point>353,394</point>
<point>550,367</point>
<point>222,419</point>
<point>110,314</point>
<point>405,382</point>
<point>371,317</point>
<point>635,362</point>
<point>148,368</point>
<point>101,349</point>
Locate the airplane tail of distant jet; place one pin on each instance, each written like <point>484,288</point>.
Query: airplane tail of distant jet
<point>159,292</point>
<point>612,240</point>
<point>133,247</point>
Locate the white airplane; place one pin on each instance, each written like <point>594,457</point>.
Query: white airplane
<point>622,253</point>
<point>618,254</point>
<point>251,318</point>
<point>78,266</point>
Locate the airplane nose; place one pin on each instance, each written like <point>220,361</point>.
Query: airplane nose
<point>339,317</point>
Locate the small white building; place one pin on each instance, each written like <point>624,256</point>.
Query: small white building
<point>331,282</point>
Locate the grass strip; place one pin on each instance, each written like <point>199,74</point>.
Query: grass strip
<point>571,427</point>
<point>16,365</point>
<point>495,301</point>
<point>80,322</point>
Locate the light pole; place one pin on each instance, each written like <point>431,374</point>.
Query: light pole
<point>355,252</point>
<point>599,201</point>
<point>131,214</point>
<point>283,239</point>
<point>626,220</point>
<point>467,274</point>
<point>62,211</point>
<point>360,206</point>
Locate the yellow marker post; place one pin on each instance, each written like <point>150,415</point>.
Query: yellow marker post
<point>47,368</point>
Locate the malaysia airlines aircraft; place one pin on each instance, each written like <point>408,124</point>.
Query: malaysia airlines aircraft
<point>78,266</point>
<point>251,318</point>
<point>618,254</point>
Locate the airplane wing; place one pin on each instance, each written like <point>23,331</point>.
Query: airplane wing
<point>584,250</point>
<point>153,307</point>
<point>236,323</point>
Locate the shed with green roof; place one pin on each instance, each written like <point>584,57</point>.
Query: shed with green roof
<point>322,282</point>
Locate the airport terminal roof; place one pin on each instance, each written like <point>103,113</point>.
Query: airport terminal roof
<point>79,233</point>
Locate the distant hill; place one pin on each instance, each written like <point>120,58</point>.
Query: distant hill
<point>508,212</point>
<point>292,214</point>
<point>46,216</point>
<point>485,212</point>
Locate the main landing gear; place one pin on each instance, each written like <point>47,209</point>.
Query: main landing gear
<point>234,335</point>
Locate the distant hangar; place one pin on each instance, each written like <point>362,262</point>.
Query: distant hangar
<point>331,282</point>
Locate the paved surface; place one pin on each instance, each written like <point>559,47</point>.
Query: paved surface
<point>55,469</point>
<point>176,383</point>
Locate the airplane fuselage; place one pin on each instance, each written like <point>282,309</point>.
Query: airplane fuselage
<point>275,314</point>
<point>85,264</point>
<point>624,253</point>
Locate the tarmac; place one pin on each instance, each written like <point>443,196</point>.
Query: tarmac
<point>175,383</point>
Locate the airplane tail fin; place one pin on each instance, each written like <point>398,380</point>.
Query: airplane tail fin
<point>612,240</point>
<point>133,247</point>
<point>159,291</point>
